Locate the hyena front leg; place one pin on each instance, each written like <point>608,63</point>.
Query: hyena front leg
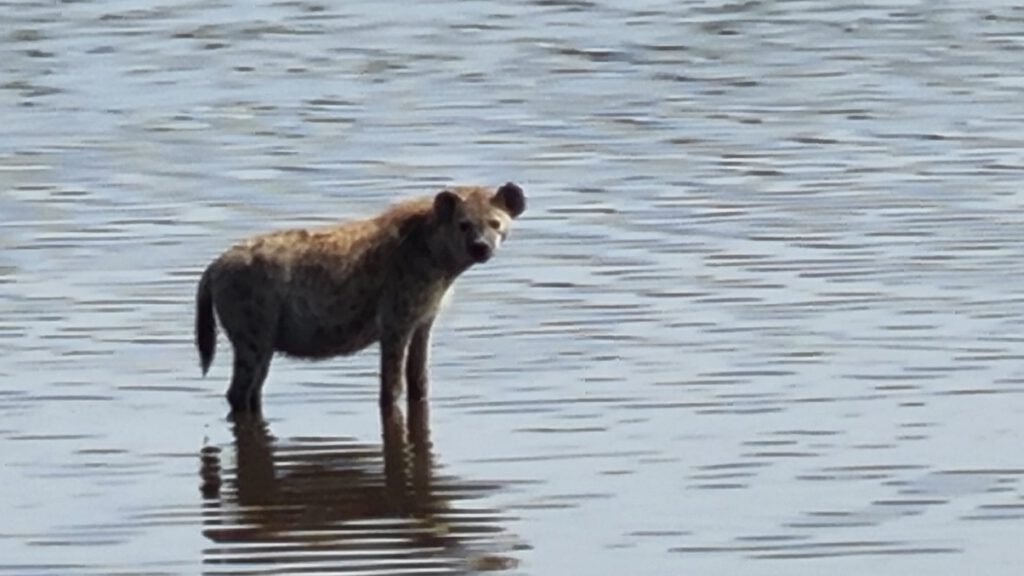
<point>394,344</point>
<point>416,367</point>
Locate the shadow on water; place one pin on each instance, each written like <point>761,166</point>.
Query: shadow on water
<point>332,504</point>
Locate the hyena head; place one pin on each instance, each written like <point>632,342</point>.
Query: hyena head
<point>475,221</point>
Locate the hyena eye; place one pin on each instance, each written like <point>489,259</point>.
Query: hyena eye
<point>494,223</point>
<point>465,225</point>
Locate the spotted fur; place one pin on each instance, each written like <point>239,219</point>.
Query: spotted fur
<point>333,291</point>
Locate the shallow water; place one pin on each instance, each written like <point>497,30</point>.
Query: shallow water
<point>761,316</point>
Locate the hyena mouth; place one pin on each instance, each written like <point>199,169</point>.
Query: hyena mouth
<point>480,252</point>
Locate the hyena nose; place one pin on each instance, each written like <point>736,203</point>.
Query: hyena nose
<point>480,251</point>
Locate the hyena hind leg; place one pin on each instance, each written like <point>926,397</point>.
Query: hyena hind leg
<point>250,371</point>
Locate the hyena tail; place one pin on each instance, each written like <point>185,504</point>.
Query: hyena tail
<point>206,324</point>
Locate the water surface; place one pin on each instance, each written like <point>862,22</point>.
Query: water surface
<point>761,316</point>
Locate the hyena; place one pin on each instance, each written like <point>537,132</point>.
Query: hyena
<point>324,292</point>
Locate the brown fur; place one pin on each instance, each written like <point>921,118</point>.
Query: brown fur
<point>334,291</point>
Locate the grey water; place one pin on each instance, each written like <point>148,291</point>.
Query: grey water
<point>763,314</point>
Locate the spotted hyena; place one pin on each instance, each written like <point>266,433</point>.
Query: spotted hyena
<point>333,291</point>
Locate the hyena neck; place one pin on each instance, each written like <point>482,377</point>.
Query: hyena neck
<point>426,252</point>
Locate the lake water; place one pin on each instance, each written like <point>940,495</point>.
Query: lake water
<point>761,317</point>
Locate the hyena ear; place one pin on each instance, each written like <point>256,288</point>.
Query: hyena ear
<point>510,197</point>
<point>445,203</point>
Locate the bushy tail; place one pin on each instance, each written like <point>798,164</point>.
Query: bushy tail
<point>206,324</point>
